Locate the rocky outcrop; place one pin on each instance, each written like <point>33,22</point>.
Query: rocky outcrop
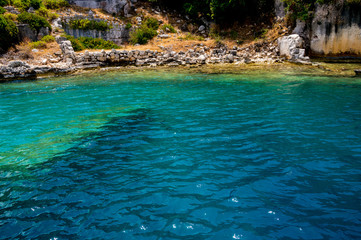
<point>16,69</point>
<point>68,51</point>
<point>118,34</point>
<point>25,32</point>
<point>291,47</point>
<point>336,30</point>
<point>122,7</point>
<point>279,9</point>
<point>198,54</point>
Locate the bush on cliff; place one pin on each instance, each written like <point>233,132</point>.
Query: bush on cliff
<point>26,4</point>
<point>8,33</point>
<point>35,22</point>
<point>82,43</point>
<point>55,4</point>
<point>44,12</point>
<point>4,3</point>
<point>146,32</point>
<point>168,28</point>
<point>87,24</point>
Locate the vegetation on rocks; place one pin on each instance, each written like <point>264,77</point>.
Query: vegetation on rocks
<point>82,43</point>
<point>8,33</point>
<point>146,32</point>
<point>168,28</point>
<point>55,4</point>
<point>35,22</point>
<point>46,13</point>
<point>87,24</point>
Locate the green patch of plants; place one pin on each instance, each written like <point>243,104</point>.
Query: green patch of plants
<point>4,3</point>
<point>35,22</point>
<point>169,28</point>
<point>77,45</point>
<point>192,37</point>
<point>44,12</point>
<point>146,31</point>
<point>48,39</point>
<point>142,35</point>
<point>82,43</point>
<point>87,24</point>
<point>8,33</point>
<point>262,33</point>
<point>2,10</point>
<point>11,16</point>
<point>55,4</point>
<point>152,23</point>
<point>128,26</point>
<point>26,4</point>
<point>38,44</point>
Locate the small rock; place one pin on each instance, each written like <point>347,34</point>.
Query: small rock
<point>202,58</point>
<point>201,28</point>
<point>35,50</point>
<point>16,63</point>
<point>163,36</point>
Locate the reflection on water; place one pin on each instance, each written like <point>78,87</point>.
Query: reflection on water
<point>164,155</point>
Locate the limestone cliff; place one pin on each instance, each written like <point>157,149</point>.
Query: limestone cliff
<point>121,7</point>
<point>336,30</point>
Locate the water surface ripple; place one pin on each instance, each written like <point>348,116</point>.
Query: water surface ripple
<point>160,155</point>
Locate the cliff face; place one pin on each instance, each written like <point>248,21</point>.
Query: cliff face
<point>118,34</point>
<point>122,7</point>
<point>336,30</point>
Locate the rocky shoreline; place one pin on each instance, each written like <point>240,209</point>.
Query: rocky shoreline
<point>198,54</point>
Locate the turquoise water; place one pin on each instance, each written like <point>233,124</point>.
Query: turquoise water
<point>174,155</point>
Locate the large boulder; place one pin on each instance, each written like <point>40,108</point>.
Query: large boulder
<point>290,45</point>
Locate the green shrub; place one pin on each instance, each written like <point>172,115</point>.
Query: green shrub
<point>43,12</point>
<point>77,45</point>
<point>55,4</point>
<point>4,3</point>
<point>152,23</point>
<point>2,10</point>
<point>11,16</point>
<point>48,39</point>
<point>142,35</point>
<point>170,27</point>
<point>36,4</point>
<point>146,31</point>
<point>35,22</point>
<point>97,43</point>
<point>128,26</point>
<point>8,33</point>
<point>192,37</point>
<point>82,43</point>
<point>26,4</point>
<point>87,24</point>
<point>38,44</point>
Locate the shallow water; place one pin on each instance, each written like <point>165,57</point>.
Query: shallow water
<point>174,155</point>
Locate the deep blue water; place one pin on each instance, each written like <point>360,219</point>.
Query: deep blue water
<point>167,155</point>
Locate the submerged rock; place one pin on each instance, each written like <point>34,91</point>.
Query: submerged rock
<point>358,72</point>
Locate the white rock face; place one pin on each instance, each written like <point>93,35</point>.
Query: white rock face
<point>280,9</point>
<point>111,6</point>
<point>336,30</point>
<point>290,45</point>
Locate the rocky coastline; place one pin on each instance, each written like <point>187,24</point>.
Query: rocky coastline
<point>285,49</point>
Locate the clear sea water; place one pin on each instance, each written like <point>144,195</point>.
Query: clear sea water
<point>181,155</point>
